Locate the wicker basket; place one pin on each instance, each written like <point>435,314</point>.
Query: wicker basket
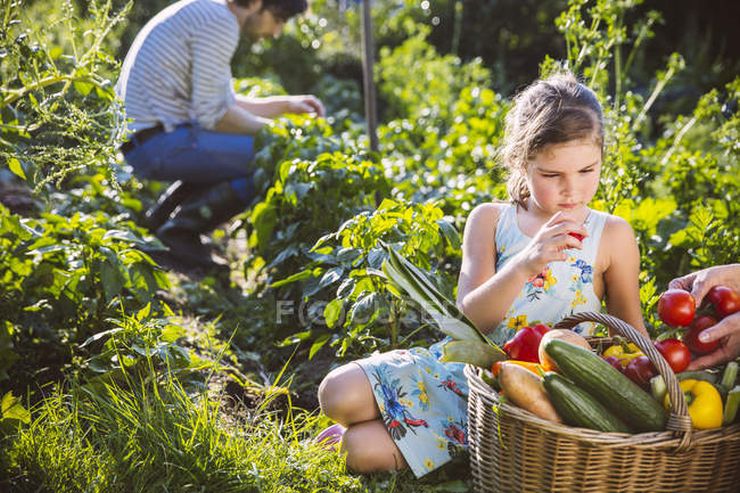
<point>514,450</point>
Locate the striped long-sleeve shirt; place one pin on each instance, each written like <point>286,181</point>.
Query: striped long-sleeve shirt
<point>178,69</point>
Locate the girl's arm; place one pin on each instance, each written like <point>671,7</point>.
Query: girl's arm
<point>478,270</point>
<point>485,295</point>
<point>621,277</point>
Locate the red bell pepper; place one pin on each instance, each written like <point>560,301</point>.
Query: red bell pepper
<point>525,343</point>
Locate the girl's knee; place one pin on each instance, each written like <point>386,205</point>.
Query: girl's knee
<point>345,395</point>
<point>370,448</point>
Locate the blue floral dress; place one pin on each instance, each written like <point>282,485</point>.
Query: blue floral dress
<point>423,401</point>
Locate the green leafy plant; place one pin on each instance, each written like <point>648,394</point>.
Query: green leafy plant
<point>349,302</point>
<point>57,112</point>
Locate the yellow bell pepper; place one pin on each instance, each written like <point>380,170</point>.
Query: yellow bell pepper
<point>705,403</point>
<point>623,352</point>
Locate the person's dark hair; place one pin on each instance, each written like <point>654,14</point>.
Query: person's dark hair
<point>282,9</point>
<point>555,110</point>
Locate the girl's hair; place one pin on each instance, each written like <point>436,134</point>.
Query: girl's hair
<point>551,111</point>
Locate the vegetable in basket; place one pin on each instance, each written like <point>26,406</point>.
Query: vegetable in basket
<point>705,404</point>
<point>615,391</point>
<point>524,388</point>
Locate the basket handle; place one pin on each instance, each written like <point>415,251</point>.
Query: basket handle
<point>678,421</point>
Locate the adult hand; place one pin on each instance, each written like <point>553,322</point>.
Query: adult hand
<point>699,283</point>
<point>304,104</point>
<point>727,331</point>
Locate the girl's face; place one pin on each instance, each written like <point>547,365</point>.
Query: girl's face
<point>564,177</point>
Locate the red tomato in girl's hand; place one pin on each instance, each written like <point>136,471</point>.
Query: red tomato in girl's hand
<point>675,353</point>
<point>724,300</point>
<point>676,307</point>
<point>691,338</point>
<point>640,370</point>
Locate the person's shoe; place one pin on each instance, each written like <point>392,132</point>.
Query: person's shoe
<point>197,215</point>
<point>331,438</point>
<point>175,194</point>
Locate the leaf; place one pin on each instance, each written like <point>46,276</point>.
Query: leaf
<point>449,233</point>
<point>100,335</point>
<point>472,352</point>
<point>13,409</point>
<point>144,312</point>
<point>333,311</point>
<point>446,315</point>
<point>295,338</point>
<point>299,276</point>
<point>317,345</point>
<point>15,166</point>
<point>331,276</point>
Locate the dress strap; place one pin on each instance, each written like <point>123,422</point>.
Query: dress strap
<point>595,226</point>
<point>505,222</point>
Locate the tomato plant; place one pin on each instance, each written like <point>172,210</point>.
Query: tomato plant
<point>676,307</point>
<point>724,300</point>
<point>691,338</point>
<point>675,353</point>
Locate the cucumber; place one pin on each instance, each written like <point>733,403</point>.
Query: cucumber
<point>729,376</point>
<point>697,375</point>
<point>658,387</point>
<point>604,382</point>
<point>733,402</point>
<point>578,408</point>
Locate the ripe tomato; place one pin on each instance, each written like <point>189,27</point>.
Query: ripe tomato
<point>724,300</point>
<point>675,353</point>
<point>676,307</point>
<point>640,370</point>
<point>691,338</point>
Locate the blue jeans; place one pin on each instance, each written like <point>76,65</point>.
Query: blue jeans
<point>195,155</point>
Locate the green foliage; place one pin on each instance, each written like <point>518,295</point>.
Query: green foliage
<point>64,276</point>
<point>443,77</point>
<point>57,113</point>
<point>346,300</point>
<point>309,170</point>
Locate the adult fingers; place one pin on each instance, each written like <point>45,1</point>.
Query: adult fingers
<point>684,282</point>
<point>712,359</point>
<point>314,104</point>
<point>699,289</point>
<point>727,326</point>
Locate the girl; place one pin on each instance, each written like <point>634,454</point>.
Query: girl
<point>537,259</point>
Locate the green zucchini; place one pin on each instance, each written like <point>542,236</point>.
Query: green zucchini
<point>733,402</point>
<point>729,376</point>
<point>610,387</point>
<point>578,408</point>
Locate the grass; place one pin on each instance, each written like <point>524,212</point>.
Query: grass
<point>153,435</point>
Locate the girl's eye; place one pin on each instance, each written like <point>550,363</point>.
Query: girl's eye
<point>550,176</point>
<point>584,171</point>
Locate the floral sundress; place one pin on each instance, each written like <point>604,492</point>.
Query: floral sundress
<point>423,401</point>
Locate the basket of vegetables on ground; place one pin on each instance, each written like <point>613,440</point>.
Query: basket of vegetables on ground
<point>553,411</point>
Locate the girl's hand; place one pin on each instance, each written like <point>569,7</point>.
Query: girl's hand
<point>550,243</point>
